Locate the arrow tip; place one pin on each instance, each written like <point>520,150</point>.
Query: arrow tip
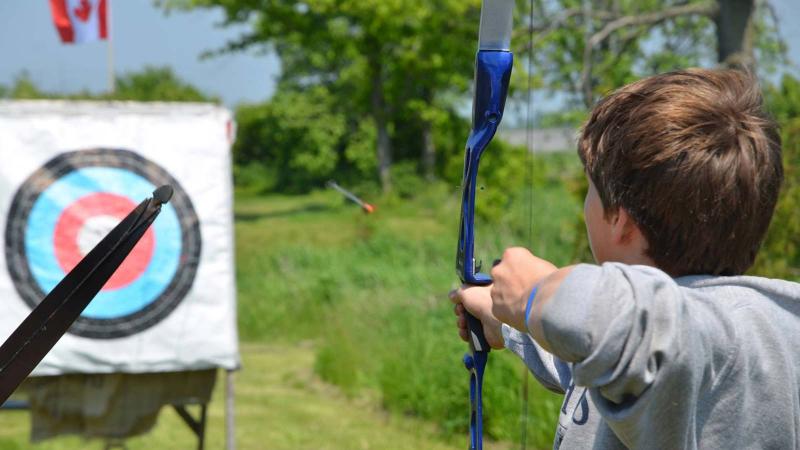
<point>162,194</point>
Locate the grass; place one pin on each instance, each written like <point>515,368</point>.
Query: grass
<point>280,404</point>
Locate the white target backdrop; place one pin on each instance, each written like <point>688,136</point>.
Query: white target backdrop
<point>69,171</point>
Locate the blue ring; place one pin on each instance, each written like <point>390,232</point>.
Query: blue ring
<point>79,183</point>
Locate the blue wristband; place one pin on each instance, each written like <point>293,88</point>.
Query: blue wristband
<point>528,306</point>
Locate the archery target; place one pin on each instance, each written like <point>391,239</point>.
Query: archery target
<point>64,208</point>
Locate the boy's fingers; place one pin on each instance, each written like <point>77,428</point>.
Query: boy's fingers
<point>463,335</point>
<point>497,269</point>
<point>458,310</point>
<point>453,296</point>
<point>462,327</point>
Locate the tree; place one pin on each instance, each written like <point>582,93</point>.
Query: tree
<point>299,133</point>
<point>23,88</point>
<point>391,63</point>
<point>157,84</point>
<point>150,84</point>
<point>587,47</point>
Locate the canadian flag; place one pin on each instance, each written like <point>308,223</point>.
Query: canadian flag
<point>80,20</point>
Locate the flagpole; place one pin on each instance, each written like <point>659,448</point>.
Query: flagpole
<point>112,82</point>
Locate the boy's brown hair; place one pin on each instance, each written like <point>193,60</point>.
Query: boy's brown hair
<point>694,159</point>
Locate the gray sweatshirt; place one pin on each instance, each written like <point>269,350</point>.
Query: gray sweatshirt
<point>662,363</point>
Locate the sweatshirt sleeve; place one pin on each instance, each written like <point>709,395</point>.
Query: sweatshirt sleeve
<point>553,374</point>
<point>644,346</point>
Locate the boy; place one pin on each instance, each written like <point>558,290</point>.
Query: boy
<point>665,344</point>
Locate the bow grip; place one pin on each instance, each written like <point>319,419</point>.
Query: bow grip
<point>477,341</point>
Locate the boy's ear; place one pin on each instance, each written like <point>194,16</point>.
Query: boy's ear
<point>623,227</point>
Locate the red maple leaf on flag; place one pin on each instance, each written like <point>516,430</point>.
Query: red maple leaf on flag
<point>83,11</point>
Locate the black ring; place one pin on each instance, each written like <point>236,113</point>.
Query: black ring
<point>16,226</point>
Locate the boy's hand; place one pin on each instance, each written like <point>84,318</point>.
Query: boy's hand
<point>514,277</point>
<point>477,300</point>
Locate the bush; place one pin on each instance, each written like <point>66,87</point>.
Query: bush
<point>780,254</point>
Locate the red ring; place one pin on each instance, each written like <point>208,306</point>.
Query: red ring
<point>65,236</point>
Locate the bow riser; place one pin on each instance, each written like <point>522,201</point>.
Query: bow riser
<point>492,75</point>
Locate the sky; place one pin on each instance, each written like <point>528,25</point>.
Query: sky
<point>144,35</point>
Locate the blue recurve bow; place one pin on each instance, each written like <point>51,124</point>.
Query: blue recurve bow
<point>492,74</point>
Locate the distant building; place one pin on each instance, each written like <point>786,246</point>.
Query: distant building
<point>547,140</point>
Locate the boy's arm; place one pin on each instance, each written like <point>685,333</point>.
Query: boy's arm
<point>645,347</point>
<point>551,372</point>
<point>546,289</point>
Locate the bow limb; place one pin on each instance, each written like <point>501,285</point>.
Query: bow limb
<point>53,316</point>
<point>492,74</point>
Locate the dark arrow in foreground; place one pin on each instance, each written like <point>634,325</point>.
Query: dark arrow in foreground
<point>53,316</point>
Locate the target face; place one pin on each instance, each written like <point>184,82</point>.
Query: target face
<point>67,206</point>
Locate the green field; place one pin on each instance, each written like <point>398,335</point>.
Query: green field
<point>348,337</point>
<point>280,404</point>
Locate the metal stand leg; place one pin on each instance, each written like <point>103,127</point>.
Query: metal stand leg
<point>197,426</point>
<point>230,415</point>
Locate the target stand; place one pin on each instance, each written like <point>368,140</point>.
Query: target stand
<point>63,209</point>
<point>71,168</point>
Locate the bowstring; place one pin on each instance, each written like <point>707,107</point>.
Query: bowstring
<point>529,181</point>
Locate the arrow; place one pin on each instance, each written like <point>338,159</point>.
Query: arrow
<point>364,205</point>
<point>53,316</point>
